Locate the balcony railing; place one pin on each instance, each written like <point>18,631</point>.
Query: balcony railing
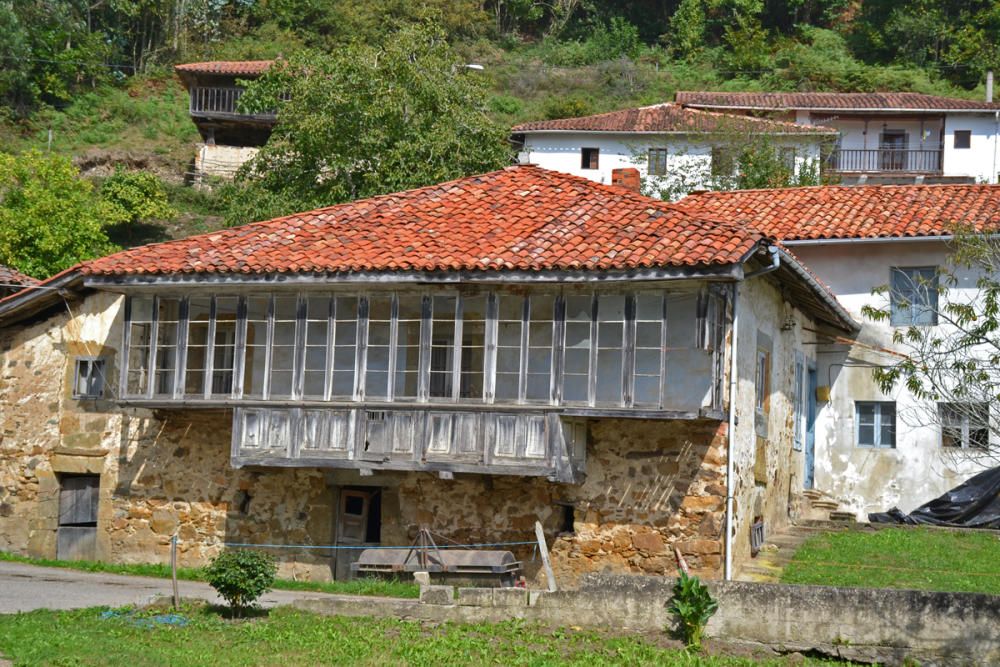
<point>917,160</point>
<point>221,101</point>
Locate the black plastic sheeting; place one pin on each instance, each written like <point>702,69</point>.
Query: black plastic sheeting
<point>974,504</point>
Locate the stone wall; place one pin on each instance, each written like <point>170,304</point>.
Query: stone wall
<point>880,626</point>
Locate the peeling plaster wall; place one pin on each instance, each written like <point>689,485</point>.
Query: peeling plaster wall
<point>874,480</point>
<point>772,492</point>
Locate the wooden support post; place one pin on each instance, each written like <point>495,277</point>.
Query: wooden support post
<point>544,550</point>
<point>173,570</point>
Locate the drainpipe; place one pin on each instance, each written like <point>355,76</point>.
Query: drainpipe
<point>733,386</point>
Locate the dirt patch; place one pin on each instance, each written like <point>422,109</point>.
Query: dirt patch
<point>101,163</point>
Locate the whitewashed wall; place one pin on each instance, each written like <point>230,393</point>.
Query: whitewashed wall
<point>981,160</point>
<point>919,468</point>
<point>562,151</point>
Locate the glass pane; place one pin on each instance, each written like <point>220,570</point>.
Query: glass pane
<point>256,347</point>
<point>168,313</point>
<point>610,334</point>
<point>199,312</point>
<point>473,347</point>
<point>377,364</point>
<point>866,434</point>
<point>540,347</point>
<point>224,352</point>
<point>140,330</point>
<point>283,347</point>
<point>682,320</point>
<point>409,308</point>
<point>345,346</point>
<point>442,345</point>
<point>647,390</point>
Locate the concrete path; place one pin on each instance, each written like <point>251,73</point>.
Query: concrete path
<point>27,587</point>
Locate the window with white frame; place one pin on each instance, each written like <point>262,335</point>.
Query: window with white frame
<point>610,349</point>
<point>409,318</point>
<point>165,368</point>
<point>875,424</point>
<point>577,348</point>
<point>538,375</point>
<point>509,361</point>
<point>913,296</point>
<point>649,349</point>
<point>88,377</point>
<point>965,425</point>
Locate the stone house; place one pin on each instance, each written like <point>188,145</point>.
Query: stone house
<point>471,357</point>
<point>871,451</point>
<point>675,149</point>
<point>883,137</point>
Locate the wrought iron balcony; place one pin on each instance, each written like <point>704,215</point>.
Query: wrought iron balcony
<point>882,160</point>
<point>221,102</point>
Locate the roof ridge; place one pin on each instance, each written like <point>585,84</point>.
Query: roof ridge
<point>868,186</point>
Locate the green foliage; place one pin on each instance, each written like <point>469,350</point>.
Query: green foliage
<point>132,197</point>
<point>687,29</point>
<point>49,216</point>
<point>567,107</point>
<point>295,638</point>
<point>692,605</point>
<point>241,576</point>
<point>367,120</point>
<point>911,558</point>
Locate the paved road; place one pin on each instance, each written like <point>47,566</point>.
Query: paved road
<point>26,587</point>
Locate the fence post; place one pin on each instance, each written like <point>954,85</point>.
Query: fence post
<point>173,570</point>
<point>544,550</point>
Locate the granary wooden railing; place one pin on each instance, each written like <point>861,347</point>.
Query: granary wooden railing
<point>913,160</point>
<point>221,101</point>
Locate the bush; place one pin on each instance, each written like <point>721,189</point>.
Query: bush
<point>566,107</point>
<point>241,577</point>
<point>692,605</point>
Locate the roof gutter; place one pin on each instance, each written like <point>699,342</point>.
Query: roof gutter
<point>871,110</point>
<point>821,131</point>
<point>877,239</point>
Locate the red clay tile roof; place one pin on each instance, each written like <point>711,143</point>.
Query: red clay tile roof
<point>519,218</point>
<point>859,211</point>
<point>668,118</point>
<point>830,101</point>
<point>9,276</point>
<point>227,67</point>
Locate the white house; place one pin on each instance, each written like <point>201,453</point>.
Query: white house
<point>676,150</point>
<point>884,137</point>
<point>869,450</point>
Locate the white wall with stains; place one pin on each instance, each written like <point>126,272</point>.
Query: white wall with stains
<point>918,468</point>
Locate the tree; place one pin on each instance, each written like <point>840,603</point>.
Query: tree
<point>131,198</point>
<point>367,120</point>
<point>954,367</point>
<point>49,216</point>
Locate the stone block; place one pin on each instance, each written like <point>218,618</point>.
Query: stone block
<point>510,597</point>
<point>475,597</point>
<point>651,542</point>
<point>534,596</point>
<point>700,547</point>
<point>163,522</point>
<point>701,503</point>
<point>437,595</point>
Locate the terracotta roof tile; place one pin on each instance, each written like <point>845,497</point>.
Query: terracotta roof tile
<point>831,101</point>
<point>519,218</point>
<point>9,276</point>
<point>668,118</point>
<point>227,67</point>
<point>859,211</point>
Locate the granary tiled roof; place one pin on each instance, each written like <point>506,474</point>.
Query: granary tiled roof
<point>830,101</point>
<point>519,218</point>
<point>859,211</point>
<point>668,118</point>
<point>9,276</point>
<point>227,67</point>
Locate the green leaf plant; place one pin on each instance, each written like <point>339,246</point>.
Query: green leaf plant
<point>692,606</point>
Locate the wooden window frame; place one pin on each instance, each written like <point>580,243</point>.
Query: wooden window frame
<point>590,158</point>
<point>96,366</point>
<point>961,413</point>
<point>966,142</point>
<point>709,331</point>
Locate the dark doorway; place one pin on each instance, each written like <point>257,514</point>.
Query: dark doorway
<point>77,535</point>
<point>358,523</point>
<point>892,150</point>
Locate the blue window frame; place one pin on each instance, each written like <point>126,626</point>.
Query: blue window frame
<point>913,296</point>
<point>875,424</point>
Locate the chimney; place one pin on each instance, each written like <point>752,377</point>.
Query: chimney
<point>626,178</point>
<point>989,86</point>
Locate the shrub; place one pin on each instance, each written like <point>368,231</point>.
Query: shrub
<point>241,577</point>
<point>566,107</point>
<point>692,606</point>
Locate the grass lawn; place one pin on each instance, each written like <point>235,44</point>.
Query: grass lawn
<point>288,637</point>
<point>380,587</point>
<point>920,558</point>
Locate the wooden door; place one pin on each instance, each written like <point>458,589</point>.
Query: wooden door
<point>76,538</point>
<point>352,528</point>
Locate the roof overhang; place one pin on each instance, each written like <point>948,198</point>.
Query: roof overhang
<point>880,110</point>
<point>820,131</point>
